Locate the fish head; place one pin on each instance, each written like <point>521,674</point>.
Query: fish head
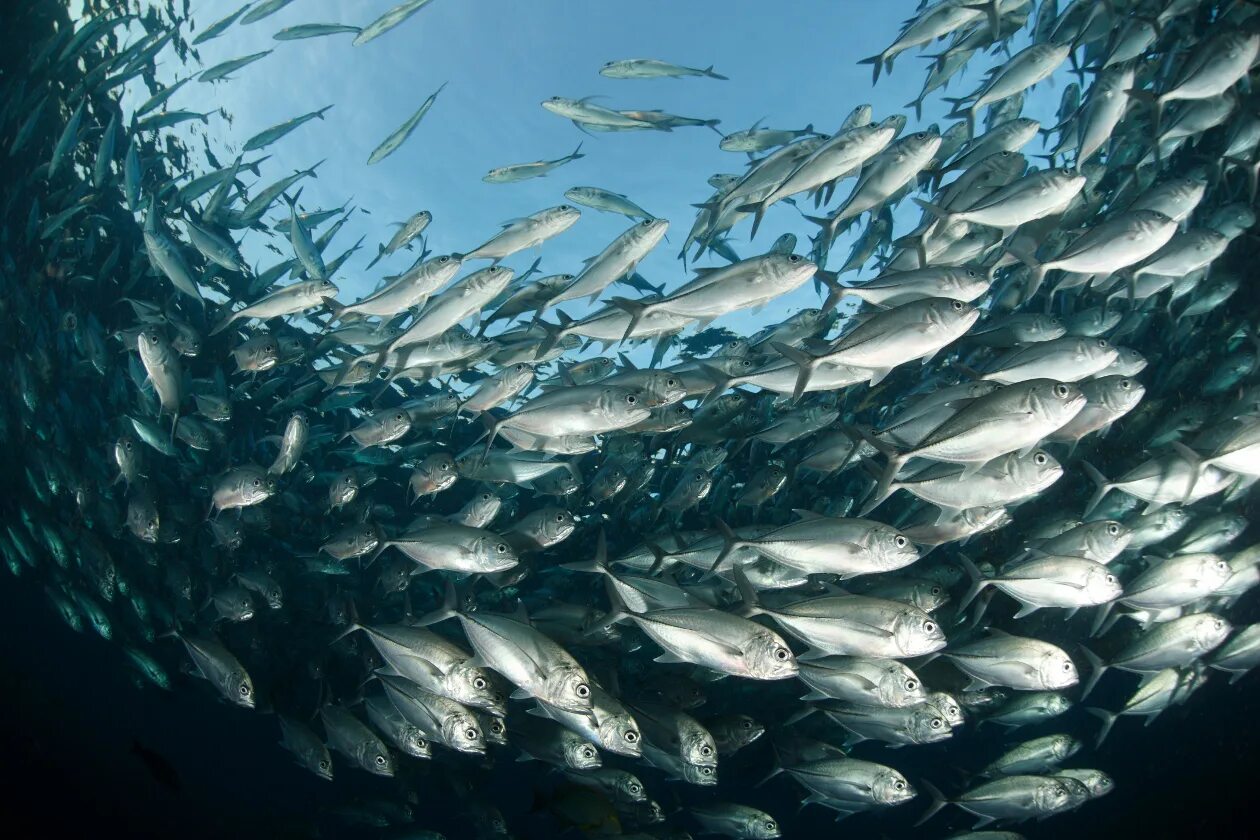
<point>1053,795</point>
<point>462,732</point>
<point>620,734</point>
<point>376,760</point>
<point>927,725</point>
<point>1097,782</point>
<point>580,754</point>
<point>890,548</point>
<point>899,687</point>
<point>1057,670</point>
<point>769,658</point>
<point>1056,402</point>
<point>948,706</point>
<point>241,689</point>
<point>320,290</point>
<point>568,688</point>
<point>758,825</point>
<point>625,405</point>
<point>1039,469</point>
<point>563,107</point>
<point>891,788</point>
<point>494,554</point>
<point>788,270</point>
<point>948,316</point>
<point>493,728</point>
<point>1064,747</point>
<point>472,686</point>
<point>661,388</point>
<point>703,775</point>
<point>1210,630</point>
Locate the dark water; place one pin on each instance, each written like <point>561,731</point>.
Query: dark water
<point>70,711</point>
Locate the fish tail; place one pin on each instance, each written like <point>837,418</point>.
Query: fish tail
<point>748,595</point>
<point>1100,481</point>
<point>617,611</point>
<point>1096,669</point>
<point>350,629</point>
<point>1108,720</point>
<point>803,360</point>
<point>977,582</point>
<point>730,542</point>
<point>876,62</point>
<point>635,309</point>
<point>938,801</point>
<point>449,608</point>
<point>708,71</point>
<point>597,564</point>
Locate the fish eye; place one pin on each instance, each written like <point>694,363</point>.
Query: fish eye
<point>1040,459</point>
<point>935,590</point>
<point>501,548</point>
<point>912,685</point>
<point>1126,384</point>
<point>470,734</point>
<point>479,683</point>
<point>929,626</point>
<point>671,382</point>
<point>631,399</point>
<point>324,765</point>
<point>380,761</point>
<point>1054,322</point>
<point>1067,666</point>
<point>565,207</point>
<point>444,259</point>
<point>582,690</point>
<point>128,445</point>
<point>258,482</point>
<point>1060,390</point>
<point>770,826</point>
<point>1102,342</point>
<point>747,724</point>
<point>900,541</point>
<point>559,517</point>
<point>971,273</point>
<point>958,305</point>
<point>631,737</point>
<point>633,788</point>
<point>646,223</point>
<point>496,726</point>
<point>398,417</point>
<point>587,752</point>
<point>706,771</point>
<point>937,723</point>
<point>1217,624</point>
<point>781,654</point>
<point>1113,529</point>
<point>485,497</point>
<point>1111,579</point>
<point>706,750</point>
<point>243,690</point>
<point>899,785</point>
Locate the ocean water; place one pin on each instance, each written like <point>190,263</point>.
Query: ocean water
<point>94,746</point>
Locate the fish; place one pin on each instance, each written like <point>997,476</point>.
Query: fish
<point>650,68</point>
<point>525,171</point>
<point>623,520</point>
<point>399,136</point>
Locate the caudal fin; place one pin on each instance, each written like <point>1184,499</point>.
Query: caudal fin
<point>938,801</point>
<point>1096,669</point>
<point>1108,720</point>
<point>1100,481</point>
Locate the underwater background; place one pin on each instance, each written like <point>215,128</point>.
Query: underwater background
<point>91,746</point>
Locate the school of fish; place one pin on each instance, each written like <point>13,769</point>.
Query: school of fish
<point>428,530</point>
